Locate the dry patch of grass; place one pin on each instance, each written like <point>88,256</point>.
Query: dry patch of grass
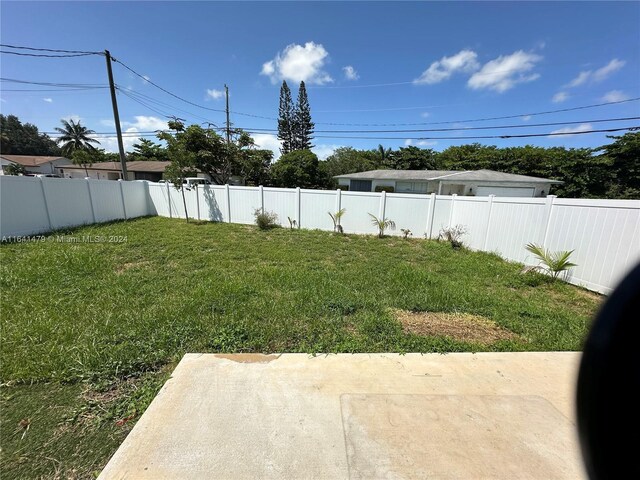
<point>459,326</point>
<point>120,269</point>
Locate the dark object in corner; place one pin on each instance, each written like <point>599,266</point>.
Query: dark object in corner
<point>608,416</point>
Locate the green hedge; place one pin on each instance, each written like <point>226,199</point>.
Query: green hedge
<point>384,188</point>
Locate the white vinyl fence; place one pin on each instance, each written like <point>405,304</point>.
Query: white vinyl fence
<point>30,205</point>
<point>605,234</point>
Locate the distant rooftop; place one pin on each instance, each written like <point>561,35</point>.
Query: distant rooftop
<point>457,175</point>
<point>31,160</point>
<point>138,166</point>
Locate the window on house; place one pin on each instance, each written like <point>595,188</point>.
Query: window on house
<point>411,187</point>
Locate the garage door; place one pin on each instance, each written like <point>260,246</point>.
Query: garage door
<point>505,191</point>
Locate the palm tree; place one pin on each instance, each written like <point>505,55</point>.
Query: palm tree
<point>75,137</point>
<point>382,224</point>
<point>382,154</point>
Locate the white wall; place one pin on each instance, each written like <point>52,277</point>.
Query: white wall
<point>31,205</point>
<point>605,234</point>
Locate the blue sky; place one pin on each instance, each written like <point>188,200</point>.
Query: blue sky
<point>438,62</point>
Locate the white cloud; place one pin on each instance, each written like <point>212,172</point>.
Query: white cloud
<point>267,141</point>
<point>506,71</point>
<point>145,123</point>
<point>526,118</point>
<point>323,151</point>
<point>598,75</point>
<point>425,114</point>
<point>215,94</point>
<point>580,79</point>
<point>299,63</point>
<point>615,96</point>
<point>141,123</point>
<point>560,97</point>
<point>74,116</point>
<point>420,143</point>
<point>350,73</point>
<point>611,67</point>
<point>568,131</point>
<point>48,100</point>
<point>463,61</point>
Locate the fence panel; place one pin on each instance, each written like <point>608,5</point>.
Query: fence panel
<point>68,202</point>
<point>282,202</point>
<point>244,202</point>
<point>514,223</point>
<point>473,214</point>
<point>314,205</point>
<point>358,205</point>
<point>212,201</point>
<point>408,211</point>
<point>22,206</point>
<point>136,199</point>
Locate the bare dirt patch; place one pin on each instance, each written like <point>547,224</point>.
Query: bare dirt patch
<point>459,326</point>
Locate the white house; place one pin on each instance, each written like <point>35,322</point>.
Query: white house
<point>33,163</point>
<point>448,182</point>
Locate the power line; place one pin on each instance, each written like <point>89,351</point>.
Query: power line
<point>19,47</point>
<point>520,115</point>
<point>455,129</point>
<point>54,84</point>
<point>184,99</point>
<point>66,55</point>
<point>526,135</point>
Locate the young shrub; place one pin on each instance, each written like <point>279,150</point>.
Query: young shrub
<point>265,220</point>
<point>382,224</point>
<point>552,263</point>
<point>453,235</point>
<point>292,223</point>
<point>335,218</point>
<point>406,233</point>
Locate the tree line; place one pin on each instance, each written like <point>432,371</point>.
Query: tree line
<point>609,171</point>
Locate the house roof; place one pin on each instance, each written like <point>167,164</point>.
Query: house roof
<point>31,160</point>
<point>138,166</point>
<point>446,175</point>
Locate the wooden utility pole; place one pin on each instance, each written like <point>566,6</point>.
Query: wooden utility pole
<point>116,116</point>
<point>226,92</point>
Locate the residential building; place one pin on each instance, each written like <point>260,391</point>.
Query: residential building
<point>36,164</point>
<point>448,182</point>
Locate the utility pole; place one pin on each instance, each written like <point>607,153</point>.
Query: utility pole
<point>226,91</point>
<point>116,116</point>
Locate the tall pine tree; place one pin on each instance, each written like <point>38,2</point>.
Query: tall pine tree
<point>303,126</point>
<point>286,119</point>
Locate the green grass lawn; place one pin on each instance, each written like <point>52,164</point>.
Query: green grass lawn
<point>90,331</point>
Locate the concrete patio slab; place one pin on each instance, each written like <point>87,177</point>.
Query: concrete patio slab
<point>363,416</point>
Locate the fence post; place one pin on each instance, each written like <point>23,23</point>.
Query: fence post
<point>169,199</point>
<point>430,214</point>
<point>261,191</point>
<point>124,208</point>
<point>338,200</point>
<point>486,233</point>
<point>46,204</point>
<point>549,209</point>
<point>228,195</point>
<point>93,212</point>
<point>453,204</point>
<point>298,205</point>
<point>383,204</point>
<point>197,201</point>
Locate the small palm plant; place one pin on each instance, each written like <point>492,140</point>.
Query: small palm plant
<point>552,262</point>
<point>335,217</point>
<point>382,224</point>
